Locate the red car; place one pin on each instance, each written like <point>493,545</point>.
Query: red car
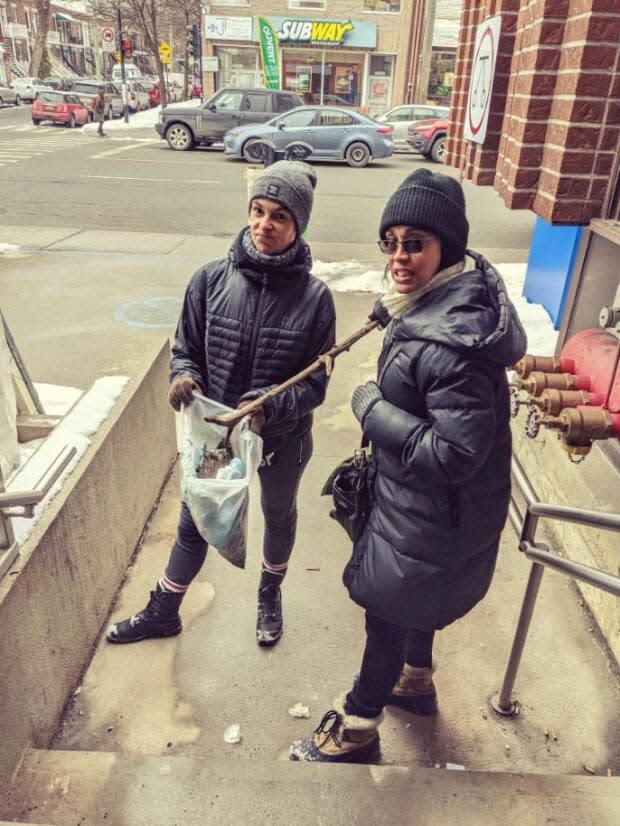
<point>429,137</point>
<point>60,107</point>
<point>154,95</point>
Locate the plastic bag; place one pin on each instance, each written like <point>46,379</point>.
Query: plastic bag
<point>219,507</point>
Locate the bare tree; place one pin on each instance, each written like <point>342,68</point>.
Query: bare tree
<point>145,16</point>
<point>43,8</point>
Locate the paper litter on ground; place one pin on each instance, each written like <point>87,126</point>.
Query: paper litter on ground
<point>232,735</point>
<point>75,429</point>
<point>300,711</point>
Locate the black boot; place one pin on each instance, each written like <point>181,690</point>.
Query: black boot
<point>160,618</point>
<point>269,622</point>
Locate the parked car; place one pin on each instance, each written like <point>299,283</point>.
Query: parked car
<point>8,95</point>
<point>175,91</point>
<point>87,91</point>
<point>400,117</point>
<point>429,138</point>
<point>61,84</point>
<point>137,96</point>
<point>191,123</point>
<point>59,107</point>
<point>27,87</point>
<point>318,133</point>
<point>154,93</point>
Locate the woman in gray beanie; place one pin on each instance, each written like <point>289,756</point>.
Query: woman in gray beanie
<point>438,421</point>
<point>248,323</point>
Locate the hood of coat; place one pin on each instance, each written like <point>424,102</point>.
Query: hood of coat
<point>472,312</point>
<point>276,273</point>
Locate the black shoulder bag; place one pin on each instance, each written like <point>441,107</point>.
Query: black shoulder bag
<point>350,485</point>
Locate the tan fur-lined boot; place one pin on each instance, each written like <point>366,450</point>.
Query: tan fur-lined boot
<point>415,690</point>
<point>341,738</point>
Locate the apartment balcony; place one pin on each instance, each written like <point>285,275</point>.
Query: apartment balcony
<point>17,31</point>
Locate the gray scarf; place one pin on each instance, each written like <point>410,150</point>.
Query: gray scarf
<point>282,259</point>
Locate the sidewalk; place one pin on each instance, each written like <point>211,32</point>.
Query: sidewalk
<point>177,696</point>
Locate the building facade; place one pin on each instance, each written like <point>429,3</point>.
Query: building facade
<point>354,53</point>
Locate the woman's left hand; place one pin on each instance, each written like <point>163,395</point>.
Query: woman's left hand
<point>364,398</point>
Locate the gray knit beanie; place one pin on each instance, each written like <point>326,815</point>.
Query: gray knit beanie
<point>434,202</point>
<point>291,183</point>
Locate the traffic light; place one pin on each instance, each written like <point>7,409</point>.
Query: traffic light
<point>126,47</point>
<point>193,40</point>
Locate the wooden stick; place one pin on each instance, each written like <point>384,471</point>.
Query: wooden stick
<point>230,420</point>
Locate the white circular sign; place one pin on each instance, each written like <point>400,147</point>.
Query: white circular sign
<point>482,81</point>
<point>108,35</point>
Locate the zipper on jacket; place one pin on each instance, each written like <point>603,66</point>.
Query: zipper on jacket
<point>249,369</point>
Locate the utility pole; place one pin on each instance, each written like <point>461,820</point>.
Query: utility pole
<point>123,79</point>
<point>424,63</point>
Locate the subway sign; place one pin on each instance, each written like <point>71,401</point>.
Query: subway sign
<point>319,32</point>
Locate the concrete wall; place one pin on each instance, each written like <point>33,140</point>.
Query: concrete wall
<point>593,485</point>
<point>53,607</point>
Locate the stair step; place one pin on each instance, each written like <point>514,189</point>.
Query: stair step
<point>63,788</point>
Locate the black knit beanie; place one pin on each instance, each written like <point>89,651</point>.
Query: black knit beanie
<point>433,202</point>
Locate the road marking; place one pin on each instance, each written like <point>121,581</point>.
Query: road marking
<point>109,152</point>
<point>156,180</point>
<point>145,160</point>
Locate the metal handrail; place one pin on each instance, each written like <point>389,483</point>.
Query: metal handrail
<point>525,525</point>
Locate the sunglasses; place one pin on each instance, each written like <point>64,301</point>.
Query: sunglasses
<point>390,245</point>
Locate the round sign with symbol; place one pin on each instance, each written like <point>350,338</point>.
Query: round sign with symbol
<point>481,82</point>
<point>108,39</point>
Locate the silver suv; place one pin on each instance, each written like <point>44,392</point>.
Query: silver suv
<point>87,91</point>
<point>186,125</point>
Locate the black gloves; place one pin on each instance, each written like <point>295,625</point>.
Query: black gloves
<point>364,398</point>
<point>182,391</point>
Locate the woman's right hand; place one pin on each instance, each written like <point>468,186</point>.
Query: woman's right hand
<point>182,391</point>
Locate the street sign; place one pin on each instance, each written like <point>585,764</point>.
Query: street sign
<point>165,60</point>
<point>481,84</point>
<point>210,64</point>
<point>108,39</point>
<point>164,49</point>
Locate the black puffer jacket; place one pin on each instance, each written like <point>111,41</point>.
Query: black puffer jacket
<point>243,329</point>
<point>441,440</point>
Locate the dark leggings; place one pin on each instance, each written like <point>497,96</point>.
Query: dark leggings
<point>279,479</point>
<point>388,647</point>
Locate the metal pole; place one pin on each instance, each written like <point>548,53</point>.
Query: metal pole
<point>503,702</point>
<point>598,579</point>
<point>123,80</point>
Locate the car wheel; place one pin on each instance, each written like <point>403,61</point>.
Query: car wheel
<point>358,154</point>
<point>438,151</point>
<point>254,150</point>
<point>71,122</point>
<point>36,121</point>
<point>179,137</point>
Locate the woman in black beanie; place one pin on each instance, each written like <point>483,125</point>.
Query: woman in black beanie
<point>438,421</point>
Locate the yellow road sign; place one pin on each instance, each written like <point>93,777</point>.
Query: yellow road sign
<point>165,59</point>
<point>164,49</point>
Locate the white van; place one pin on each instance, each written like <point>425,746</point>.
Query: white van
<point>131,72</point>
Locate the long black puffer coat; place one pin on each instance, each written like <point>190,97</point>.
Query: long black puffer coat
<point>442,446</point>
<point>244,328</point>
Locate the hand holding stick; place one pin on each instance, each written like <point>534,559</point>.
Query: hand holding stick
<point>230,420</point>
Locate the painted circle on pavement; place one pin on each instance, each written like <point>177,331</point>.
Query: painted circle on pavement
<point>150,313</point>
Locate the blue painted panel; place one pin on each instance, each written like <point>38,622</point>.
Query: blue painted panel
<point>550,266</point>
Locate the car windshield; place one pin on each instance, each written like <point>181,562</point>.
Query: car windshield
<point>51,97</point>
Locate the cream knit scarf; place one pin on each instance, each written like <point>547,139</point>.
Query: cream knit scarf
<point>396,303</point>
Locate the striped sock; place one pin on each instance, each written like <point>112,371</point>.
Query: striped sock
<point>171,587</point>
<point>271,568</point>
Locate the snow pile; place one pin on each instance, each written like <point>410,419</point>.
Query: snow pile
<point>75,430</point>
<point>137,120</point>
<point>7,248</point>
<point>351,276</point>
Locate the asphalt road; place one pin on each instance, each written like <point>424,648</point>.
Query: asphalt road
<point>51,176</point>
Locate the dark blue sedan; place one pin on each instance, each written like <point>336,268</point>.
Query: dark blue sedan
<point>315,133</point>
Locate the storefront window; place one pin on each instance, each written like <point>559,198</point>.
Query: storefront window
<point>306,4</point>
<point>441,78</point>
<point>342,81</point>
<point>392,6</point>
<point>238,66</point>
<point>301,73</point>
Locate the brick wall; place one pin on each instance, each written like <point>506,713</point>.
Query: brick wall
<point>554,124</point>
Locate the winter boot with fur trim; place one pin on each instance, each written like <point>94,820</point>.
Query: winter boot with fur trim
<point>269,623</point>
<point>340,738</point>
<point>415,690</point>
<point>160,618</point>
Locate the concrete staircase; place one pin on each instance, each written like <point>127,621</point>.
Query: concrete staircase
<point>64,788</point>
